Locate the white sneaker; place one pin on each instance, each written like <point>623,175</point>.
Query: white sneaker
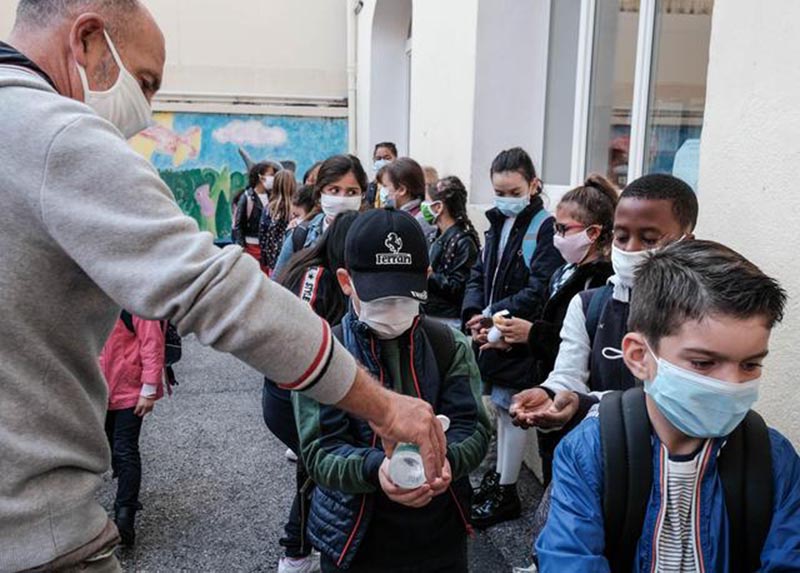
<point>308,564</point>
<point>531,569</point>
<point>290,455</point>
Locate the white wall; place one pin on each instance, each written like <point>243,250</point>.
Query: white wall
<point>510,85</point>
<point>261,47</point>
<point>248,47</point>
<point>750,159</point>
<point>443,84</point>
<point>7,10</point>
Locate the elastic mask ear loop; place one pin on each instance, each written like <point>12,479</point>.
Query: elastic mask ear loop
<point>611,353</point>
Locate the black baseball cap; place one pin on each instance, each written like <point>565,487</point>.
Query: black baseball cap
<point>386,254</point>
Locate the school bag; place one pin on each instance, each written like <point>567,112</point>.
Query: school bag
<point>531,237</point>
<point>744,465</point>
<point>173,345</point>
<point>299,235</point>
<point>593,305</point>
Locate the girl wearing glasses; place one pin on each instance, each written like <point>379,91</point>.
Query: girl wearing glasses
<point>583,234</point>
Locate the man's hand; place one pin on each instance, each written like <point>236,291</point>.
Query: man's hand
<point>397,418</point>
<point>514,330</point>
<point>413,421</point>
<point>527,404</point>
<point>565,406</point>
<point>144,406</point>
<point>416,498</point>
<point>440,485</point>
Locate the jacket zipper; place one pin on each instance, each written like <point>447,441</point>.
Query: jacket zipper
<point>364,497</point>
<point>460,510</point>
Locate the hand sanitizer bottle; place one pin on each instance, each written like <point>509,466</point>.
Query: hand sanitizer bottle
<point>405,468</point>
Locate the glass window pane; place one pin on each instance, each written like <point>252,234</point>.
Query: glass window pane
<point>611,95</point>
<point>562,66</point>
<point>678,88</point>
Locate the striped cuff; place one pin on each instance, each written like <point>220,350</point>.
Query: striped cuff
<point>331,374</point>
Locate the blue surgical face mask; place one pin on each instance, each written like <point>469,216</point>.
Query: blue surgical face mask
<point>380,164</point>
<point>697,405</point>
<point>386,199</point>
<point>512,206</point>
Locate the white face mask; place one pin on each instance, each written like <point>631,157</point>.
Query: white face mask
<point>124,103</point>
<point>268,181</point>
<point>389,317</point>
<point>625,264</point>
<point>333,205</point>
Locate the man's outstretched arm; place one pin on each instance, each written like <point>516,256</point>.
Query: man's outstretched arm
<point>154,262</point>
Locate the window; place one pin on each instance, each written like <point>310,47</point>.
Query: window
<point>611,91</point>
<point>640,106</point>
<point>677,90</point>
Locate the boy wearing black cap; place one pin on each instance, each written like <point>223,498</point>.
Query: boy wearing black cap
<point>360,520</point>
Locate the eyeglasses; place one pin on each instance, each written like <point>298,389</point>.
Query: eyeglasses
<point>562,229</point>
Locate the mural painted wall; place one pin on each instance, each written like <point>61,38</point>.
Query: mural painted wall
<point>197,155</point>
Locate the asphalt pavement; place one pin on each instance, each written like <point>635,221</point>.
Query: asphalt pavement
<point>217,488</point>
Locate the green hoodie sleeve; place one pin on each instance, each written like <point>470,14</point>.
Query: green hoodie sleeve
<point>329,451</point>
<point>460,400</point>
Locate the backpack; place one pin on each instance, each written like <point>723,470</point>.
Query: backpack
<point>441,338</point>
<point>593,307</point>
<point>745,468</point>
<point>173,344</point>
<point>299,235</point>
<point>531,238</point>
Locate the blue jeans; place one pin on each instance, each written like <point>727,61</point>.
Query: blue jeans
<point>123,428</point>
<point>279,417</point>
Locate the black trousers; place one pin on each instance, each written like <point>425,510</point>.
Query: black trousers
<point>279,417</point>
<point>449,560</point>
<point>123,428</point>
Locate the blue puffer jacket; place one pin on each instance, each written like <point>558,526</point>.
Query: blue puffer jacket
<point>573,538</point>
<point>343,455</point>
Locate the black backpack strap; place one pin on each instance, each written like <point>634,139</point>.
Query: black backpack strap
<point>299,235</point>
<point>627,473</point>
<point>745,468</point>
<point>593,304</point>
<point>443,343</point>
<point>127,320</point>
<point>338,332</point>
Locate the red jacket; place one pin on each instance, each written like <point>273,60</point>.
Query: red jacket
<point>130,360</point>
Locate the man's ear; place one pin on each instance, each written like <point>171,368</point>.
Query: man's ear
<point>86,39</point>
<point>637,357</point>
<point>344,282</point>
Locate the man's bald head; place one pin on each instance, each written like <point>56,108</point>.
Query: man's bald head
<point>62,34</point>
<point>45,13</point>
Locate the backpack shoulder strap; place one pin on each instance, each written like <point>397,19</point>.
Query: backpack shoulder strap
<point>443,343</point>
<point>627,472</point>
<point>338,332</point>
<point>127,320</point>
<point>594,302</point>
<point>250,202</point>
<point>531,238</point>
<point>745,468</point>
<point>299,235</point>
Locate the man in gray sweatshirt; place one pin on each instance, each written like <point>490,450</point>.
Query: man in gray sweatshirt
<point>87,226</point>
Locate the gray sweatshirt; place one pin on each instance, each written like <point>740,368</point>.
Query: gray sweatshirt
<point>88,227</point>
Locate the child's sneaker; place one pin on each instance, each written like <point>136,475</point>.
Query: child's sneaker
<point>308,564</point>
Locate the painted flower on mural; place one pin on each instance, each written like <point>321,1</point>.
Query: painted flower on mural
<point>251,132</point>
